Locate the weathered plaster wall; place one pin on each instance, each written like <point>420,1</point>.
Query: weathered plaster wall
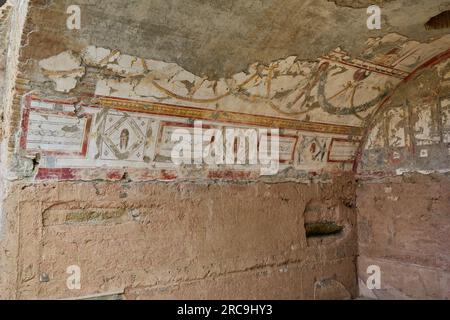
<point>403,222</point>
<point>403,227</point>
<point>188,240</point>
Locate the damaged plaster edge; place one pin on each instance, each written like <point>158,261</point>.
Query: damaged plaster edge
<point>21,167</point>
<point>9,238</point>
<point>95,296</point>
<point>18,18</point>
<point>4,9</point>
<point>8,232</point>
<point>16,164</point>
<point>65,80</point>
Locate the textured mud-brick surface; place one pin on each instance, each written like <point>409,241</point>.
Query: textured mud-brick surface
<point>403,227</point>
<point>156,240</point>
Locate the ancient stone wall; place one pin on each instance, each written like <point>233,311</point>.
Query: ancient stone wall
<point>183,240</point>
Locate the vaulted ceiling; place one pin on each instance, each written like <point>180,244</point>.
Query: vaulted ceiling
<point>221,38</point>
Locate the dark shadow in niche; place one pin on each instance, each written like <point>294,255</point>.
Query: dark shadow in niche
<point>322,228</point>
<point>440,21</point>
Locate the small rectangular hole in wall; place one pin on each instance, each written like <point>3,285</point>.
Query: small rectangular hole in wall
<point>320,229</point>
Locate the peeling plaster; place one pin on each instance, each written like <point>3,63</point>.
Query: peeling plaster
<point>65,69</point>
<point>194,51</point>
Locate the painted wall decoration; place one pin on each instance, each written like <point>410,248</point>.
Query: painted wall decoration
<point>320,107</point>
<point>412,133</point>
<point>342,150</point>
<point>55,133</point>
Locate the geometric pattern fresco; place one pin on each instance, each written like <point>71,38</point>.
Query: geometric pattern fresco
<point>320,107</point>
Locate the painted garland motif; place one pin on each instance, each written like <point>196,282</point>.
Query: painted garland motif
<point>347,94</point>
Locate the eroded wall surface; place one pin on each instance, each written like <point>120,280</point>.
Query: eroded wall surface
<point>403,227</point>
<point>88,175</point>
